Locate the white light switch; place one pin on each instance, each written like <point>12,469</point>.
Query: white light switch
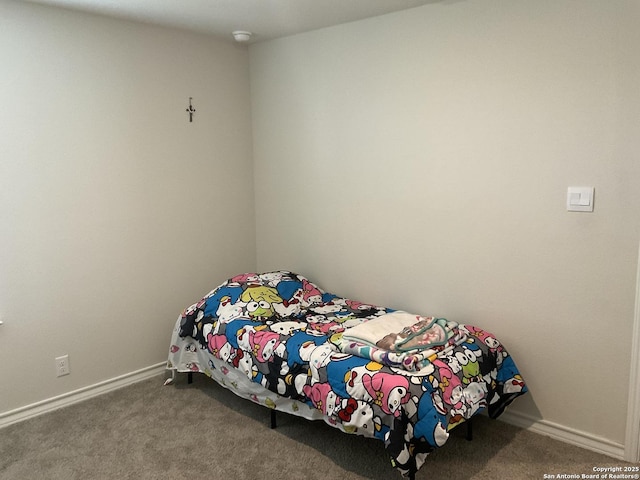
<point>580,199</point>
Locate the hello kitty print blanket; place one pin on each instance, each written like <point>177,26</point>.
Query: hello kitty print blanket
<point>274,330</point>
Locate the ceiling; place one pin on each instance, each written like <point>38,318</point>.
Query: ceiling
<point>266,19</point>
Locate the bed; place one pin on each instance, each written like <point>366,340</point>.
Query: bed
<point>280,340</point>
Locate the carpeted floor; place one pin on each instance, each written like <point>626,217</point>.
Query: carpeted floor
<point>151,431</point>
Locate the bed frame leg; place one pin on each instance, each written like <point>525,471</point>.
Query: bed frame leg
<point>273,419</point>
<point>190,377</point>
<point>469,435</point>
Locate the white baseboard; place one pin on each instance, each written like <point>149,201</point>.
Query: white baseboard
<point>54,403</point>
<point>565,434</point>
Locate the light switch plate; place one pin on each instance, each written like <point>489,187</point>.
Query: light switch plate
<point>580,199</point>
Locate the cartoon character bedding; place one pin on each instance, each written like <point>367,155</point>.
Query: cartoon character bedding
<point>278,339</point>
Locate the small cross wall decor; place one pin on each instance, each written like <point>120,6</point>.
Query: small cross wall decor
<point>191,110</point>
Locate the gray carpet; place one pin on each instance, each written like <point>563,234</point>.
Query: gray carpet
<point>151,431</point>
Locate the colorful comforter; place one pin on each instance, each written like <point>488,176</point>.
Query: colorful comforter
<point>275,329</point>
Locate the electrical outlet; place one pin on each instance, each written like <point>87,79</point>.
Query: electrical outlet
<point>62,365</point>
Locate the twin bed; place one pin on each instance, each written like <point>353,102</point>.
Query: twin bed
<point>279,340</point>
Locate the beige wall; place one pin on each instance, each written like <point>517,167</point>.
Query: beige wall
<point>115,211</point>
<point>420,160</point>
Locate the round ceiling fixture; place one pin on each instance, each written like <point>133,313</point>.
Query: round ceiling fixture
<point>241,36</point>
